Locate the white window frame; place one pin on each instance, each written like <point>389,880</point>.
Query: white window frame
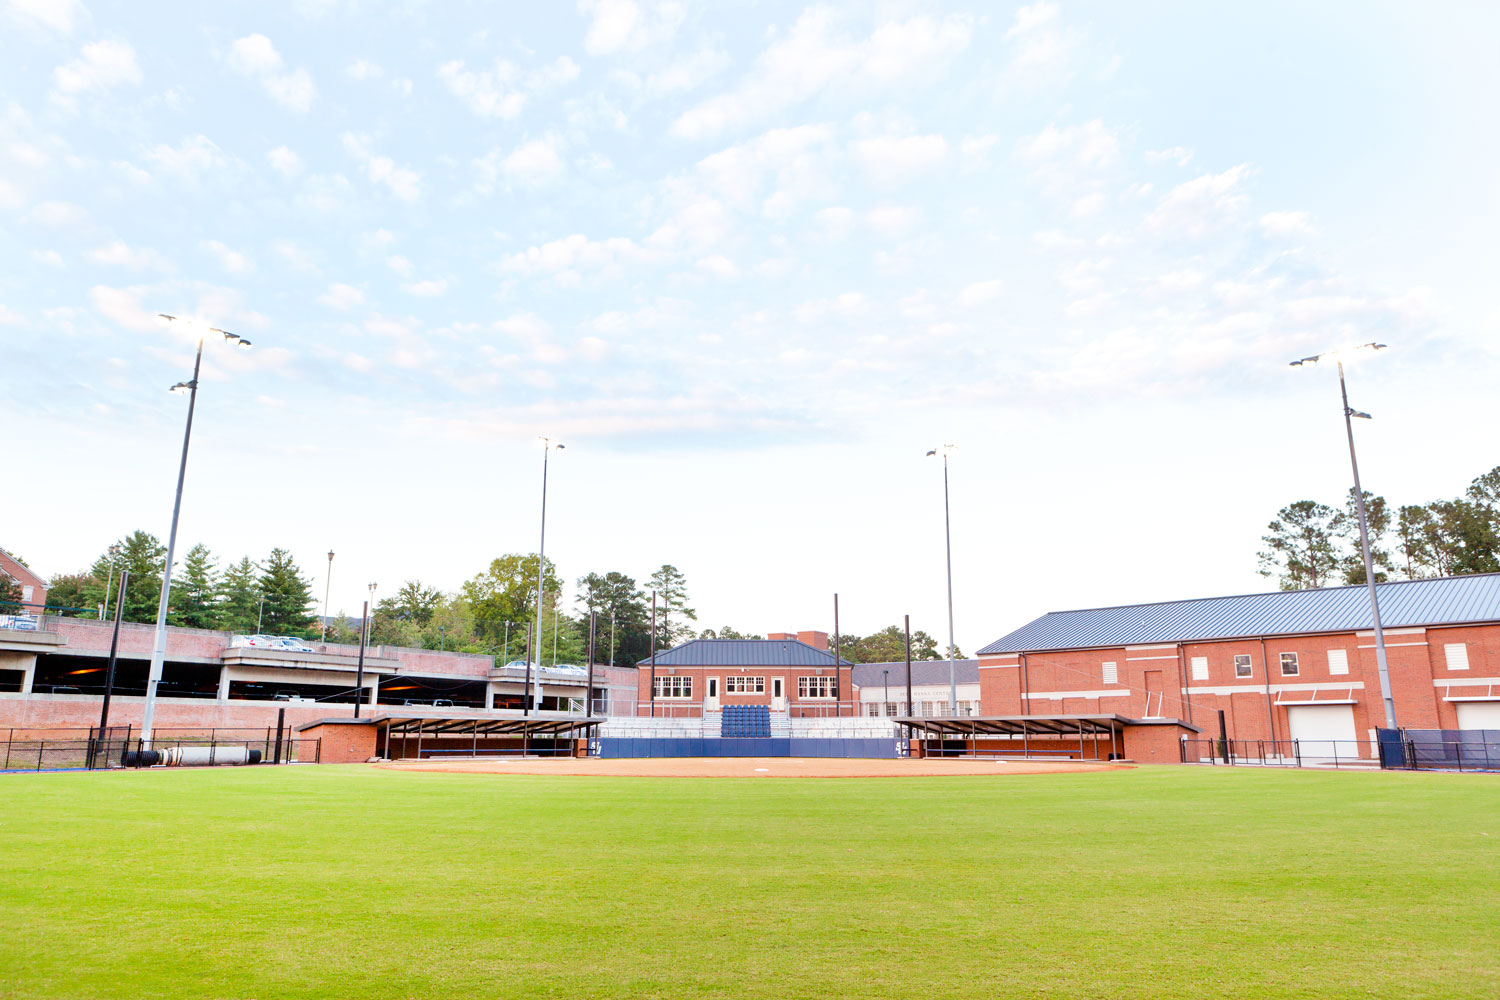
<point>1111,672</point>
<point>818,688</point>
<point>743,684</point>
<point>1338,661</point>
<point>1456,655</point>
<point>1296,670</point>
<point>674,687</point>
<point>1243,660</point>
<point>891,709</point>
<point>1199,667</point>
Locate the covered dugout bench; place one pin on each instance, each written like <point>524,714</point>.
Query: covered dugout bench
<point>411,736</point>
<point>1076,737</point>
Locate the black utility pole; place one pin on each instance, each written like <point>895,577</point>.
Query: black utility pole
<point>588,691</point>
<point>908,675</point>
<point>109,673</point>
<point>1223,737</point>
<point>526,691</point>
<point>653,654</point>
<point>838,705</point>
<point>359,672</point>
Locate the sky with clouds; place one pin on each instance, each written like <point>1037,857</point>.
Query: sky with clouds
<point>748,261</point>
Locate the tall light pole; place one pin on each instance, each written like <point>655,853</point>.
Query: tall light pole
<point>114,554</point>
<point>548,446</point>
<point>946,450</point>
<point>159,645</point>
<point>1364,529</point>
<point>327,585</point>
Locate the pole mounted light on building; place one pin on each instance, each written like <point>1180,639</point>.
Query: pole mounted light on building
<point>946,450</point>
<point>159,645</point>
<point>1338,357</point>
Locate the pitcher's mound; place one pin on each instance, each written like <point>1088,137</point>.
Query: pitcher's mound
<point>751,767</point>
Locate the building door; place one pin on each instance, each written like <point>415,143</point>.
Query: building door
<point>1153,694</point>
<point>1479,715</point>
<point>778,695</point>
<point>1323,731</point>
<point>711,695</point>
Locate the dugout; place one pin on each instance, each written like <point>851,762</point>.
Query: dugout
<point>1075,737</point>
<point>411,736</point>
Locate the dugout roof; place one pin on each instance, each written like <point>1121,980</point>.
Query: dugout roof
<point>1019,725</point>
<point>459,724</point>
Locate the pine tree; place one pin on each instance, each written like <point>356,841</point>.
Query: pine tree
<point>288,596</point>
<point>145,557</point>
<point>1300,549</point>
<point>671,595</point>
<point>239,597</point>
<point>195,592</point>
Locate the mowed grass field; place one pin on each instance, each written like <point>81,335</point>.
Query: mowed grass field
<point>350,881</point>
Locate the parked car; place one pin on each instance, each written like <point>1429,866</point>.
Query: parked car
<point>442,703</point>
<point>288,643</point>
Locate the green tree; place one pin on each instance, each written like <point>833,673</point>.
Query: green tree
<point>671,594</point>
<point>239,597</point>
<point>506,592</point>
<point>411,603</point>
<point>144,556</point>
<point>1346,528</point>
<point>343,629</point>
<point>889,646</point>
<point>288,594</point>
<point>1466,538</point>
<point>622,616</point>
<point>195,593</point>
<point>10,595</point>
<point>1416,533</point>
<point>726,633</point>
<point>1300,550</point>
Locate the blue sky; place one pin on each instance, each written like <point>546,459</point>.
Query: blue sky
<point>748,261</point>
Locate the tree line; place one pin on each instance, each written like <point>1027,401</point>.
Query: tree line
<point>1311,544</point>
<point>494,612</point>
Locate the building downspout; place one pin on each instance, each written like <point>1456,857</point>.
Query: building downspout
<point>1182,677</point>
<point>1270,712</point>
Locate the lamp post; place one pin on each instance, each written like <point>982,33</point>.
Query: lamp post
<point>945,450</point>
<point>114,554</point>
<point>260,614</point>
<point>886,675</point>
<point>548,446</point>
<point>327,584</point>
<point>1364,530</point>
<point>159,645</point>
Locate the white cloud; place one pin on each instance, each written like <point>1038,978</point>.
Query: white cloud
<point>688,72</point>
<point>131,172</point>
<point>891,160</point>
<point>979,292</point>
<point>623,26</point>
<point>1287,225</point>
<point>799,160</point>
<point>571,254</point>
<point>814,56</point>
<point>59,213</point>
<point>285,161</point>
<point>49,257</point>
<point>254,56</point>
<point>231,260</point>
<point>120,254</point>
<point>533,162</point>
<point>344,297</point>
<point>190,157</point>
<point>431,288</point>
<point>295,255</point>
<point>403,182</point>
<point>1179,155</point>
<point>556,73</point>
<point>487,93</point>
<point>1196,207</point>
<point>123,307</point>
<point>1090,145</point>
<point>59,15</point>
<point>364,69</point>
<point>101,66</point>
<point>400,265</point>
<point>718,265</point>
<point>1042,47</point>
<point>378,240</point>
<point>892,220</point>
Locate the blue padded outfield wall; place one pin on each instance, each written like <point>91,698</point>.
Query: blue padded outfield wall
<point>619,746</point>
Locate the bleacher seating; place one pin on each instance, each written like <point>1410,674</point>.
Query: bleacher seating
<point>745,722</point>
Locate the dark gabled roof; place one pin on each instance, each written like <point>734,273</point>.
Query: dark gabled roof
<point>744,653</point>
<point>1403,604</point>
<point>922,672</point>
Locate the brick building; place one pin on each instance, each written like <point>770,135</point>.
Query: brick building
<point>33,587</point>
<point>789,672</point>
<point>1282,666</point>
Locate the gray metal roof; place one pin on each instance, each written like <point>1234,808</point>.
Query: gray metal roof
<point>743,653</point>
<point>1403,604</point>
<point>922,672</point>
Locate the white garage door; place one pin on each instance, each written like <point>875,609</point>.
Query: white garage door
<point>1479,715</point>
<point>1324,731</point>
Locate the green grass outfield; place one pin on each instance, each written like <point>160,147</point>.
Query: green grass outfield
<point>349,881</point>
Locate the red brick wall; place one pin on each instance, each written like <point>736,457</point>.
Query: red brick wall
<point>342,743</point>
<point>1155,744</point>
<point>694,706</point>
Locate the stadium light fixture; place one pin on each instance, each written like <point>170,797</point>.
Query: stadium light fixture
<point>1338,357</point>
<point>159,645</point>
<point>945,450</point>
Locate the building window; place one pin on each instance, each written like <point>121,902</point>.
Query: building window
<point>1111,672</point>
<point>1338,661</point>
<point>1242,666</point>
<point>872,709</point>
<point>1289,665</point>
<point>674,687</point>
<point>1457,654</point>
<point>744,685</point>
<point>814,687</point>
<point>890,709</point>
<point>1200,668</point>
<point>927,712</point>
